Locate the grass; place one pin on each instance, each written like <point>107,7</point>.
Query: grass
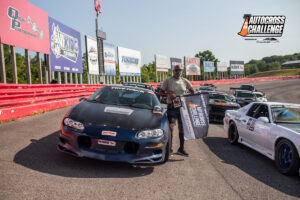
<point>275,73</point>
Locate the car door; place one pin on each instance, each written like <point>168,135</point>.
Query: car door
<point>261,130</point>
<point>249,125</point>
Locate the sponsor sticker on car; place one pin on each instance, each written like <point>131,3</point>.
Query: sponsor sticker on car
<point>107,143</point>
<point>109,133</point>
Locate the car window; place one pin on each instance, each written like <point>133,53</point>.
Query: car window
<point>262,112</point>
<point>286,115</point>
<point>253,110</point>
<point>244,94</point>
<point>125,96</point>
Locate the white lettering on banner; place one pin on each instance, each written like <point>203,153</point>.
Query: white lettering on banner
<point>57,67</point>
<point>64,45</point>
<point>187,125</point>
<point>67,68</point>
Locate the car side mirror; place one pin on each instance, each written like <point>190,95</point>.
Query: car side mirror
<point>157,110</point>
<point>263,119</point>
<point>82,99</point>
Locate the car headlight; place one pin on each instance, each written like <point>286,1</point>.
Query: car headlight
<point>146,134</point>
<point>73,124</point>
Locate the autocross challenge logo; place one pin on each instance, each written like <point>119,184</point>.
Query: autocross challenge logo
<point>263,26</point>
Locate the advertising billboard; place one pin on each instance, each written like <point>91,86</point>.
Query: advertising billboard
<point>192,66</point>
<point>175,61</point>
<point>236,67</point>
<point>209,66</point>
<point>24,25</point>
<point>92,55</point>
<point>161,63</point>
<point>129,62</point>
<point>109,59</point>
<point>65,48</point>
<point>222,66</point>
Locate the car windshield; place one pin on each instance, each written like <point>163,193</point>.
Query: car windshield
<point>245,94</point>
<point>247,87</point>
<point>286,114</point>
<point>220,97</point>
<point>259,95</point>
<point>205,88</point>
<point>125,96</point>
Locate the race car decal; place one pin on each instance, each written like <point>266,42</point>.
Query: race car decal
<point>251,124</point>
<point>109,133</point>
<point>116,110</point>
<point>107,143</point>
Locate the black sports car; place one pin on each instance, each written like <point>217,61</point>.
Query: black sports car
<point>117,123</point>
<point>218,104</point>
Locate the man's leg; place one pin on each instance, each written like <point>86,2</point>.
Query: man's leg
<point>181,139</point>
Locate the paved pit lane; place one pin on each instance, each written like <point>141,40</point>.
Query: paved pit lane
<point>32,168</point>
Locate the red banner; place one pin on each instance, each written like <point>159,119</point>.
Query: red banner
<point>24,25</point>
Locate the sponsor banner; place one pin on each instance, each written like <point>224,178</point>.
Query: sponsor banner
<point>209,66</point>
<point>236,67</point>
<point>24,25</point>
<point>65,48</point>
<point>109,59</point>
<point>222,66</point>
<point>195,116</point>
<point>192,66</point>
<point>92,55</point>
<point>175,61</point>
<point>129,62</point>
<point>161,63</point>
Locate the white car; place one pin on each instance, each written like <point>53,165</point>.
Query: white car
<point>270,128</point>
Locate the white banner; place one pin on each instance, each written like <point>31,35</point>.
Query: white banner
<point>192,66</point>
<point>129,62</point>
<point>161,63</point>
<point>222,66</point>
<point>92,55</point>
<point>109,59</point>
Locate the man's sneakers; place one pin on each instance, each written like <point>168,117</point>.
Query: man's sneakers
<point>182,152</point>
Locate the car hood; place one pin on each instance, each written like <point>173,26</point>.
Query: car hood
<point>294,127</point>
<point>90,113</point>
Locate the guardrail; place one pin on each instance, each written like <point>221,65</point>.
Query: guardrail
<point>21,100</point>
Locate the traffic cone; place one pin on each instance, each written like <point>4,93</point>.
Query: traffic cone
<point>244,30</point>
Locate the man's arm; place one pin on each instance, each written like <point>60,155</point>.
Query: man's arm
<point>192,91</point>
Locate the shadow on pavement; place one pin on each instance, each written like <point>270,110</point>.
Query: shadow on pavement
<point>254,164</point>
<point>42,155</point>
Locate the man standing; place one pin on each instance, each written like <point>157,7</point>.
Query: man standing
<point>172,88</point>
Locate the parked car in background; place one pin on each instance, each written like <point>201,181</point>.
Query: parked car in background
<point>219,102</point>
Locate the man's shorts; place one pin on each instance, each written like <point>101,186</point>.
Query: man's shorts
<point>173,114</point>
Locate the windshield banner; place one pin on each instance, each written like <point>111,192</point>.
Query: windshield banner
<point>195,116</point>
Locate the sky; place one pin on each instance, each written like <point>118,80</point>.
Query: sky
<point>176,28</point>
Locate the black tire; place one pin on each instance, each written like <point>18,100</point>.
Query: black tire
<point>233,134</point>
<point>287,158</point>
<point>167,153</point>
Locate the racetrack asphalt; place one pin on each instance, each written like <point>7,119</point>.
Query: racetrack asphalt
<point>32,168</point>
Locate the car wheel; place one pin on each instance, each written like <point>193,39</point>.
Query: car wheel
<point>286,158</point>
<point>167,153</point>
<point>233,134</point>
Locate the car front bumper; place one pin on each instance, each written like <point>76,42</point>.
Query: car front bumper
<point>144,151</point>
